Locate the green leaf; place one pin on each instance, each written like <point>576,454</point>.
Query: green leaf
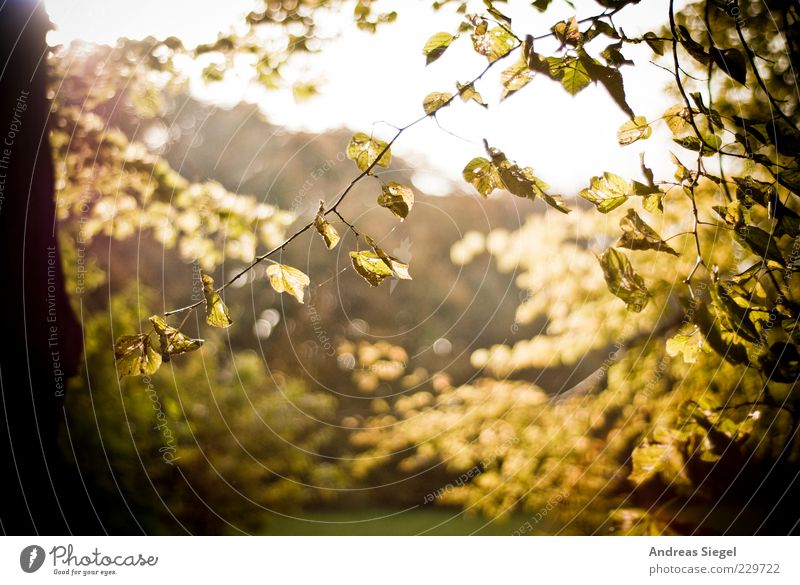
<point>493,43</point>
<point>633,130</point>
<point>734,213</point>
<point>735,319</point>
<point>467,92</point>
<point>717,331</point>
<point>436,46</point>
<point>325,229</point>
<point>396,198</point>
<point>482,175</point>
<point>651,460</point>
<point>375,269</point>
<point>135,356</point>
<point>637,235</point>
<point>364,150</point>
<point>172,341</point>
<point>435,100</point>
<point>607,192</point>
<point>399,269</point>
<point>216,310</point>
<point>573,75</point>
<point>653,202</point>
<point>623,281</point>
<point>285,279</point>
<point>687,342</point>
<point>515,78</point>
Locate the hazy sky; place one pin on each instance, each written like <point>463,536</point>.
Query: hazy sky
<point>370,78</point>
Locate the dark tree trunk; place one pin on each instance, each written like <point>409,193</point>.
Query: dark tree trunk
<point>41,338</point>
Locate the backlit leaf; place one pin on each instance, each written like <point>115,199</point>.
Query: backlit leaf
<point>286,279</point>
<point>633,130</point>
<point>172,341</point>
<point>567,31</point>
<point>396,198</point>
<point>515,78</point>
<point>651,460</point>
<point>482,175</point>
<point>436,46</point>
<point>216,311</point>
<point>623,281</point>
<point>467,92</point>
<point>653,202</point>
<point>435,100</point>
<point>607,192</point>
<point>136,356</point>
<point>364,150</point>
<point>637,235</point>
<point>325,229</point>
<point>492,43</point>
<point>687,342</point>
<point>573,75</point>
<point>375,270</point>
<point>522,182</point>
<point>677,118</point>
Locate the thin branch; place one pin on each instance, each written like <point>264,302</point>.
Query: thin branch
<point>751,58</point>
<point>348,224</point>
<point>679,82</point>
<point>334,207</point>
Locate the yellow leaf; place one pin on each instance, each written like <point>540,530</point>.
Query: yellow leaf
<point>173,342</point>
<point>633,130</point>
<point>396,198</point>
<point>435,100</point>
<point>286,279</point>
<point>216,310</point>
<point>135,356</point>
<point>375,269</point>
<point>325,229</point>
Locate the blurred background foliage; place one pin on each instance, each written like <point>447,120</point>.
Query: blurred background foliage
<point>504,390</point>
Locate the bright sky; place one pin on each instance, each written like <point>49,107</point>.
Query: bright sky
<point>370,78</point>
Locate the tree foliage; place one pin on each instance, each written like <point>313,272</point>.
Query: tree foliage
<point>703,263</point>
